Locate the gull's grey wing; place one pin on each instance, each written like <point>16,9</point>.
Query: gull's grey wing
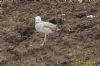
<point>51,26</point>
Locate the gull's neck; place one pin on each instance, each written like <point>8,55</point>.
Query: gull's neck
<point>38,21</point>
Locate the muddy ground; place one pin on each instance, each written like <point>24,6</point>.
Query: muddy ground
<point>79,40</point>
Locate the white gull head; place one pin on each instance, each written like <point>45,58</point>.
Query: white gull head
<point>38,19</point>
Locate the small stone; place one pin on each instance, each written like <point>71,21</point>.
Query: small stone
<point>1,50</point>
<point>70,54</point>
<point>1,10</point>
<point>2,59</point>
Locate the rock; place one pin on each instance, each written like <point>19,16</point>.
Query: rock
<point>56,21</point>
<point>1,10</point>
<point>1,50</point>
<point>3,60</point>
<point>97,35</point>
<point>81,14</point>
<point>90,16</point>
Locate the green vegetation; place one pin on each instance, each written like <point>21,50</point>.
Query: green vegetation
<point>86,64</point>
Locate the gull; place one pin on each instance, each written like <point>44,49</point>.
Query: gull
<point>44,27</point>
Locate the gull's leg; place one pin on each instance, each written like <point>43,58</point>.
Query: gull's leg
<point>45,39</point>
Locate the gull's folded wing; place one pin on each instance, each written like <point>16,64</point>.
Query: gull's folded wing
<point>51,26</point>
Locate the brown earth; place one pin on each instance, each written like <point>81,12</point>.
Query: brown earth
<point>79,40</point>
